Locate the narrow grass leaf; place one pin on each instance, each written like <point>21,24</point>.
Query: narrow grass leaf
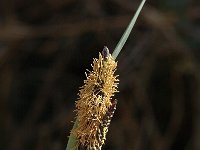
<point>127,32</point>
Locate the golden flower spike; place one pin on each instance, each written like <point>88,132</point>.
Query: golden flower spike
<point>94,104</point>
<point>95,107</point>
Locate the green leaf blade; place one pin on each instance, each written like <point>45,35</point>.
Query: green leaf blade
<point>127,32</point>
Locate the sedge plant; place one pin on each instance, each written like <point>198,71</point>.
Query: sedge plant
<point>95,106</point>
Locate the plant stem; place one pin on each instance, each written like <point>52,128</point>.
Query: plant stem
<point>72,142</point>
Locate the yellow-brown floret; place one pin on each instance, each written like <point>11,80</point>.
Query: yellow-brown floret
<point>94,101</point>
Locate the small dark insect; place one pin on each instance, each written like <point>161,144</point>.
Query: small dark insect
<point>105,52</point>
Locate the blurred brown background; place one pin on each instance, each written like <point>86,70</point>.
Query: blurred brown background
<point>46,46</point>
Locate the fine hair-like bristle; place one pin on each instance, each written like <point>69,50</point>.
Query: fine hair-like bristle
<point>95,106</point>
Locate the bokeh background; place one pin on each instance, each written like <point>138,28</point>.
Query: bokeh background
<point>46,46</point>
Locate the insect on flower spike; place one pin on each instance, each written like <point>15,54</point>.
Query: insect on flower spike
<point>127,32</point>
